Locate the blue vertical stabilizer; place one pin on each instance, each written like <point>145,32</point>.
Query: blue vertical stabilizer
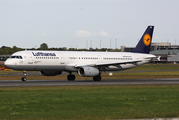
<point>143,45</point>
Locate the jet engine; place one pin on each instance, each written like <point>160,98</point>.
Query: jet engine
<point>88,71</point>
<point>50,73</point>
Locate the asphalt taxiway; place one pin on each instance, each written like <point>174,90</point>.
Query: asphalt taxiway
<point>13,83</point>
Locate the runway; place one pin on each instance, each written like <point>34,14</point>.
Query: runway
<point>17,83</point>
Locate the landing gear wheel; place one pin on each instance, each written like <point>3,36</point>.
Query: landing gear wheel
<point>24,73</point>
<point>23,78</point>
<point>97,78</point>
<point>71,77</point>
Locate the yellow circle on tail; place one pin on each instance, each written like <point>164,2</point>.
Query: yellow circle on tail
<point>147,39</point>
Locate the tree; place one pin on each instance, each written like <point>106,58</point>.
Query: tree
<point>43,46</point>
<point>15,49</point>
<point>72,49</point>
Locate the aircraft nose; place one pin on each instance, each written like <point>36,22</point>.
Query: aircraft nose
<point>8,63</point>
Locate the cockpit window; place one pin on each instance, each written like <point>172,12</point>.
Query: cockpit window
<point>18,57</point>
<point>13,57</point>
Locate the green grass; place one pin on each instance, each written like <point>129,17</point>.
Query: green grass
<point>89,102</point>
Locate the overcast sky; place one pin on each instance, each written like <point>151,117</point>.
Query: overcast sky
<point>73,23</point>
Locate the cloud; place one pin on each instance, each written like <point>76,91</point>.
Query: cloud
<point>85,34</point>
<point>82,33</point>
<point>104,34</point>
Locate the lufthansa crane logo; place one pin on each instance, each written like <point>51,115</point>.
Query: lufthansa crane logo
<point>147,39</point>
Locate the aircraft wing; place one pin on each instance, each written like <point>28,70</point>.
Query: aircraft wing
<point>111,63</point>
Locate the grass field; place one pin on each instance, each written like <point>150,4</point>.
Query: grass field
<point>89,102</point>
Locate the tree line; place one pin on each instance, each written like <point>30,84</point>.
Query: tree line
<point>4,50</point>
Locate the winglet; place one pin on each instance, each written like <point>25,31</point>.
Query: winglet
<point>143,45</point>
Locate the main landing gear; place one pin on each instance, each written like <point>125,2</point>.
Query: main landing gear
<point>24,73</point>
<point>71,77</point>
<point>97,78</point>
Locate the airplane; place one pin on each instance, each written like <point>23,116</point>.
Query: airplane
<point>86,64</point>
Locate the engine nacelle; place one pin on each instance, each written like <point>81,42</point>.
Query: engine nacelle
<point>88,71</point>
<point>50,73</point>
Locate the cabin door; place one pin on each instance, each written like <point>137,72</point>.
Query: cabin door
<point>99,59</point>
<point>30,59</point>
<point>137,57</point>
<point>61,58</point>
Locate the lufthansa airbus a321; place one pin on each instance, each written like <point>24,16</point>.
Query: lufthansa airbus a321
<point>86,64</point>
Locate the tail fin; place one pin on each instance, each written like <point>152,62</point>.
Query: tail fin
<point>143,45</point>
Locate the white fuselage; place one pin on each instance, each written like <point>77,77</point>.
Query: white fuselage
<point>67,61</point>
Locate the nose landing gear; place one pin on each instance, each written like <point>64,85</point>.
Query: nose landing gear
<point>24,73</point>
